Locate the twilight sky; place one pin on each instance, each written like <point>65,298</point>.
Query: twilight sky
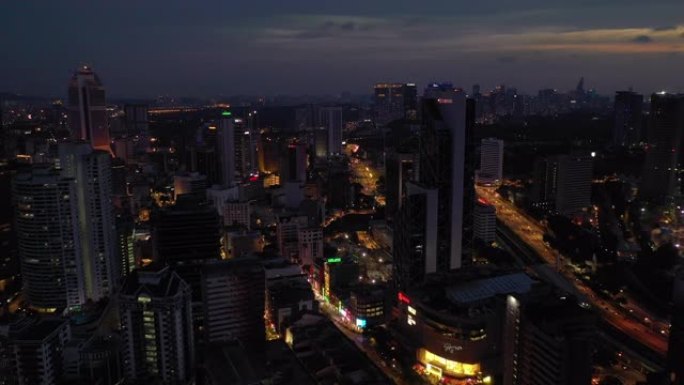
<point>226,47</point>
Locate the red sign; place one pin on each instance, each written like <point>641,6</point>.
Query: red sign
<point>403,298</point>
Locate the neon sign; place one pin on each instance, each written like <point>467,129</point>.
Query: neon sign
<point>403,298</point>
<point>334,260</point>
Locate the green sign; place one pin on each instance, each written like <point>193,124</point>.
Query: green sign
<point>226,113</point>
<point>335,260</point>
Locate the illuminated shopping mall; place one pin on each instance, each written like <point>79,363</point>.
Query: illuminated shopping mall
<point>457,331</point>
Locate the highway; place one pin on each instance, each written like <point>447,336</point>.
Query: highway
<point>531,233</point>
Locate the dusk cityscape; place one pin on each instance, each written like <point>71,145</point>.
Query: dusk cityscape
<point>342,192</point>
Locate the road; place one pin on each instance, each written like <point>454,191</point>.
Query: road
<point>360,341</point>
<point>532,233</point>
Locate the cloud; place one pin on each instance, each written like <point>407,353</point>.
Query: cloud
<point>507,59</point>
<point>642,39</point>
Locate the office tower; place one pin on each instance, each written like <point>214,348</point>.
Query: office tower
<point>331,119</point>
<point>446,163</point>
<point>156,326</point>
<point>193,184</point>
<point>295,163</point>
<point>563,183</point>
<point>484,226</point>
<point>136,120</point>
<point>401,167</point>
<point>92,171</point>
<point>233,293</point>
<point>675,352</point>
<point>310,245</point>
<point>491,161</point>
<point>663,147</point>
<point>628,118</point>
<point>204,161</point>
<point>394,101</point>
<point>48,239</point>
<point>184,234</point>
<point>226,149</point>
<point>548,339</point>
<point>88,109</point>
<point>415,236</point>
<point>38,352</point>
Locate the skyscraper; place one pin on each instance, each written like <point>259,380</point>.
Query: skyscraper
<point>136,120</point>
<point>491,161</point>
<point>415,236</point>
<point>628,118</point>
<point>226,148</point>
<point>233,293</point>
<point>394,101</point>
<point>48,239</point>
<point>293,166</point>
<point>548,340</point>
<point>88,109</point>
<point>331,119</point>
<point>446,163</point>
<point>92,172</point>
<point>484,222</point>
<point>434,228</point>
<point>156,326</point>
<point>185,235</point>
<point>400,168</point>
<point>663,147</point>
<point>563,183</point>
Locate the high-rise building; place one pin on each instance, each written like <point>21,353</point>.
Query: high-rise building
<point>563,183</point>
<point>394,101</point>
<point>675,352</point>
<point>92,171</point>
<point>136,120</point>
<point>331,119</point>
<point>491,161</point>
<point>294,169</point>
<point>156,326</point>
<point>446,163</point>
<point>38,352</point>
<point>548,339</point>
<point>628,118</point>
<point>415,236</point>
<point>234,298</point>
<point>193,184</point>
<point>484,222</point>
<point>49,240</point>
<point>663,147</point>
<point>434,229</point>
<point>186,231</point>
<point>88,109</point>
<point>226,148</point>
<point>400,168</point>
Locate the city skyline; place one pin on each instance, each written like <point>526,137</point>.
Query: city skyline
<point>215,48</point>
